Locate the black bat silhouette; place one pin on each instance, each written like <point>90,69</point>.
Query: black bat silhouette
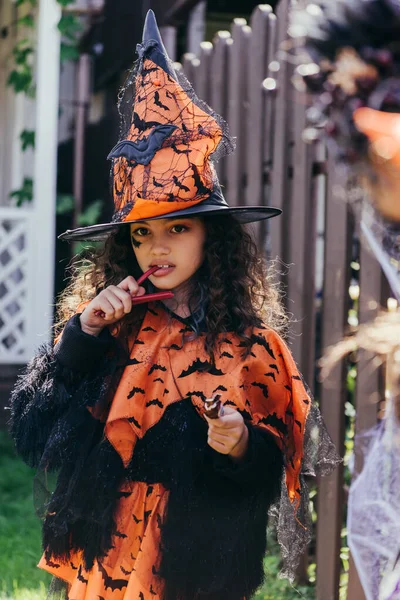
<point>201,188</point>
<point>155,402</point>
<point>138,342</point>
<point>142,125</point>
<point>149,70</point>
<point>246,415</point>
<point>141,596</point>
<point>53,564</point>
<point>274,367</point>
<point>136,519</point>
<point>73,566</point>
<point>185,330</point>
<point>149,329</point>
<point>262,387</point>
<point>229,403</point>
<point>158,379</point>
<point>142,151</point>
<point>152,311</point>
<point>152,592</point>
<point>298,423</point>
<point>306,401</point>
<point>154,570</point>
<point>101,597</point>
<point>133,361</point>
<point>199,394</point>
<point>165,392</point>
<point>159,521</point>
<point>276,422</point>
<point>201,366</point>
<point>288,388</point>
<point>80,576</point>
<point>271,374</point>
<point>135,390</point>
<point>177,151</point>
<point>133,420</point>
<point>221,388</point>
<point>227,355</point>
<point>149,491</point>
<point>245,368</point>
<point>133,557</point>
<point>180,185</point>
<point>125,572</point>
<point>185,129</point>
<point>296,377</point>
<point>156,367</point>
<point>155,182</point>
<point>124,494</point>
<point>158,102</point>
<point>120,535</point>
<point>260,341</point>
<point>226,341</point>
<point>147,513</point>
<point>175,347</point>
<point>253,355</point>
<point>247,402</point>
<point>109,582</point>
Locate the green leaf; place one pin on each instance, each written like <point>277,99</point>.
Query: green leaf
<point>25,193</point>
<point>21,2</point>
<point>69,26</point>
<point>21,81</point>
<point>91,214</point>
<point>64,204</point>
<point>65,2</point>
<point>21,52</point>
<point>26,21</point>
<point>68,52</point>
<point>27,138</point>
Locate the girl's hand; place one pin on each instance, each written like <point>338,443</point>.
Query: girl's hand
<point>228,434</point>
<point>115,302</point>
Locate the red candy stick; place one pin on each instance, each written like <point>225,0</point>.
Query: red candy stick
<point>145,297</point>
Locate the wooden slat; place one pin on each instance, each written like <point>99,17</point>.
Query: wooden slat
<point>258,49</point>
<point>333,389</point>
<point>218,92</point>
<point>268,128</point>
<point>280,170</point>
<point>204,78</point>
<point>187,65</point>
<point>369,379</point>
<point>237,110</point>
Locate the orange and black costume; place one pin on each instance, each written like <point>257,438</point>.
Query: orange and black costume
<point>143,507</point>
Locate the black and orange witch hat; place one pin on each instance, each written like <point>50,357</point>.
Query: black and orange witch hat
<point>162,165</point>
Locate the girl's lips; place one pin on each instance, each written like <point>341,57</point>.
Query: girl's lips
<point>163,271</point>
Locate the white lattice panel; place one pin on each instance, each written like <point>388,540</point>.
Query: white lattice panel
<point>16,245</point>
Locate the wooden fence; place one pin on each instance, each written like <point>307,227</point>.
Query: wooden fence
<point>315,235</point>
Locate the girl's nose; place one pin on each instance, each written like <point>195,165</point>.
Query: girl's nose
<point>160,247</point>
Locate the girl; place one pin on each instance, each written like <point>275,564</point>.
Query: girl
<point>158,497</point>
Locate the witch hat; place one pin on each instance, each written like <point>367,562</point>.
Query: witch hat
<point>162,163</point>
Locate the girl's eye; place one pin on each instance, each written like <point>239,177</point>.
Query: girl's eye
<point>179,228</point>
<point>141,231</point>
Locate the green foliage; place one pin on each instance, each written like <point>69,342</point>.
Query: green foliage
<point>65,3</point>
<point>22,2</point>
<point>20,547</point>
<point>26,21</point>
<point>68,52</point>
<point>27,138</point>
<point>20,80</point>
<point>25,193</point>
<point>69,26</point>
<point>64,204</point>
<point>91,214</point>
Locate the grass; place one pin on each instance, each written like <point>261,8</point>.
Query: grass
<point>20,548</point>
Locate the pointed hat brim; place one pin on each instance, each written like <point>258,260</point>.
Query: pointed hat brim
<point>243,214</point>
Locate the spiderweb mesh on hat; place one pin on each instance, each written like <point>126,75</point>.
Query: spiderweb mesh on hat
<point>168,141</point>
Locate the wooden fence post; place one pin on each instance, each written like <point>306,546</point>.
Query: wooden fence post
<point>237,110</point>
<point>333,388</point>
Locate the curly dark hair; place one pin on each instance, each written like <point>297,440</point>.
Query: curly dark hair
<point>233,290</point>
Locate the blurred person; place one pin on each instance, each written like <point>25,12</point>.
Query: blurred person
<point>349,53</point>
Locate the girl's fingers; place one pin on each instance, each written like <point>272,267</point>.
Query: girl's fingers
<point>107,308</point>
<point>217,446</point>
<point>125,298</point>
<point>129,284</point>
<point>115,302</point>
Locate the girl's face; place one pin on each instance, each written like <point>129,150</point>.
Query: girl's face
<point>176,245</point>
